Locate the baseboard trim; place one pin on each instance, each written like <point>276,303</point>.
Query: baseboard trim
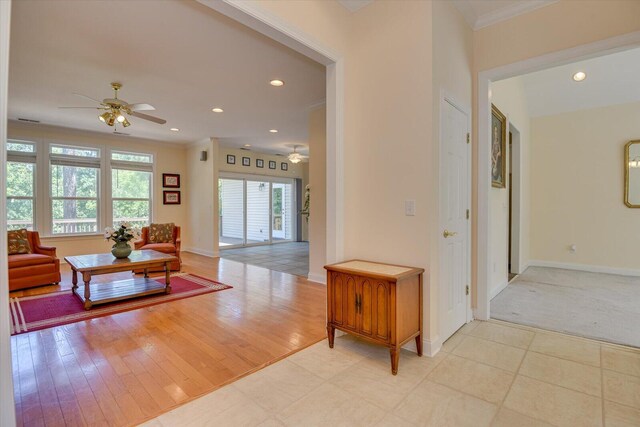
<point>317,278</point>
<point>203,252</point>
<point>585,267</point>
<point>497,290</point>
<point>432,347</point>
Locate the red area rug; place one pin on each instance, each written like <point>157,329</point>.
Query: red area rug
<point>61,308</point>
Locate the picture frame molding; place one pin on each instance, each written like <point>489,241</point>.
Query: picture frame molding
<point>503,147</point>
<point>167,193</point>
<point>168,176</point>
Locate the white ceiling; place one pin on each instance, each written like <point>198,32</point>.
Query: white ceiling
<point>482,13</point>
<point>181,57</point>
<point>611,80</point>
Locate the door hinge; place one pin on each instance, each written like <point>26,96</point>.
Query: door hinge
<point>467,213</point>
<point>468,138</point>
<point>467,290</point>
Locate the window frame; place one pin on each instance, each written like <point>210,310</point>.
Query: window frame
<point>75,161</point>
<point>133,166</point>
<point>30,158</point>
<point>42,198</point>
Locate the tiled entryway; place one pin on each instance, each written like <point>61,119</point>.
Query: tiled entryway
<point>488,374</point>
<point>290,257</point>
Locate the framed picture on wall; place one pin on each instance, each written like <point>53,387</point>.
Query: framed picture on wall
<point>246,161</point>
<point>171,180</point>
<point>171,197</point>
<point>259,163</point>
<point>231,159</point>
<point>498,147</point>
<point>272,164</point>
<point>284,166</point>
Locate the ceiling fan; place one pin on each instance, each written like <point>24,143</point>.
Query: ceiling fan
<point>295,157</point>
<point>115,110</point>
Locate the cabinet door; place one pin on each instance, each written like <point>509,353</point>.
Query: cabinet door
<point>382,309</point>
<point>336,298</point>
<point>374,311</point>
<point>349,302</point>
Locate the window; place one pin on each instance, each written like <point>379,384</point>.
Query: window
<point>75,188</point>
<point>131,186</point>
<point>21,159</point>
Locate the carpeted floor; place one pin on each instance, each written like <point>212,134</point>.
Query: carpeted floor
<point>592,305</point>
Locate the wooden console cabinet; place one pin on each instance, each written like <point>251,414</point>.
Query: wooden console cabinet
<point>381,303</point>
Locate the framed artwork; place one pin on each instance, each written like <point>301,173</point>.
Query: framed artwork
<point>284,166</point>
<point>171,180</point>
<point>498,147</point>
<point>171,197</point>
<point>272,164</point>
<point>231,159</point>
<point>246,161</point>
<point>259,163</point>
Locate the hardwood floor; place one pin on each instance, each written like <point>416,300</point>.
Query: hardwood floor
<point>129,367</point>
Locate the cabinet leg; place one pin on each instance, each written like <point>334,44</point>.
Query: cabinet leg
<point>419,345</point>
<point>395,358</point>
<point>331,333</point>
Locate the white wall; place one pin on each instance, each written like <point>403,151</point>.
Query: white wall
<point>202,237</point>
<point>168,158</point>
<point>510,98</point>
<point>318,196</point>
<point>577,184</point>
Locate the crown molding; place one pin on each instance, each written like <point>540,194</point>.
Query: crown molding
<point>509,12</point>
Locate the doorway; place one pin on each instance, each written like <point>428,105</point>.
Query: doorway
<point>255,211</point>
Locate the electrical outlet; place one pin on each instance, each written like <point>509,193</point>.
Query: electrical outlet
<point>573,248</point>
<point>410,207</point>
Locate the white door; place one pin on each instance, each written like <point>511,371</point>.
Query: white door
<point>454,234</point>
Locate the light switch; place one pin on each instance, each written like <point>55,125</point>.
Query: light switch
<point>410,207</point>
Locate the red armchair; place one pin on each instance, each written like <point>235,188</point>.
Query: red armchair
<point>172,248</point>
<point>41,267</point>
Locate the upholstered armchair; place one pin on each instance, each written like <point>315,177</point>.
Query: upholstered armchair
<point>172,247</point>
<point>39,266</point>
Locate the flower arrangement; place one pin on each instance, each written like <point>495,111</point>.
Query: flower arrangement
<point>124,233</point>
<point>307,196</point>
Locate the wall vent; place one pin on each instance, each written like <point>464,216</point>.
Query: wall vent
<point>28,120</point>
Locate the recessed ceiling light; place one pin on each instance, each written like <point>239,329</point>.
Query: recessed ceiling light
<point>579,76</point>
<point>217,110</point>
<point>247,145</point>
<point>175,129</point>
<point>273,130</point>
<point>276,83</point>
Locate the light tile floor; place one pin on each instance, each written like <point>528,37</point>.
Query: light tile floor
<point>292,258</point>
<point>488,374</point>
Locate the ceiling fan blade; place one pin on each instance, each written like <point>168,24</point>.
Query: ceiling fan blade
<point>88,97</point>
<point>148,117</point>
<point>90,108</point>
<point>141,107</point>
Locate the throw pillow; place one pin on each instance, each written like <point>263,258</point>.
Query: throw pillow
<point>161,233</point>
<point>18,242</point>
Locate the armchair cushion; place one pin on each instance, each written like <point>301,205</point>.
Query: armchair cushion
<point>18,241</point>
<point>25,260</point>
<point>167,248</point>
<point>161,233</point>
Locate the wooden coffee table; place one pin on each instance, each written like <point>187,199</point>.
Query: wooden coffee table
<point>102,293</point>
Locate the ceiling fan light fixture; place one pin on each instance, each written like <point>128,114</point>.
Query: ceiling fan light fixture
<point>111,120</point>
<point>125,122</point>
<point>104,117</point>
<point>121,118</point>
<point>295,157</point>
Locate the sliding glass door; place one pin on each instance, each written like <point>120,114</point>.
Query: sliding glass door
<point>231,212</point>
<point>255,210</point>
